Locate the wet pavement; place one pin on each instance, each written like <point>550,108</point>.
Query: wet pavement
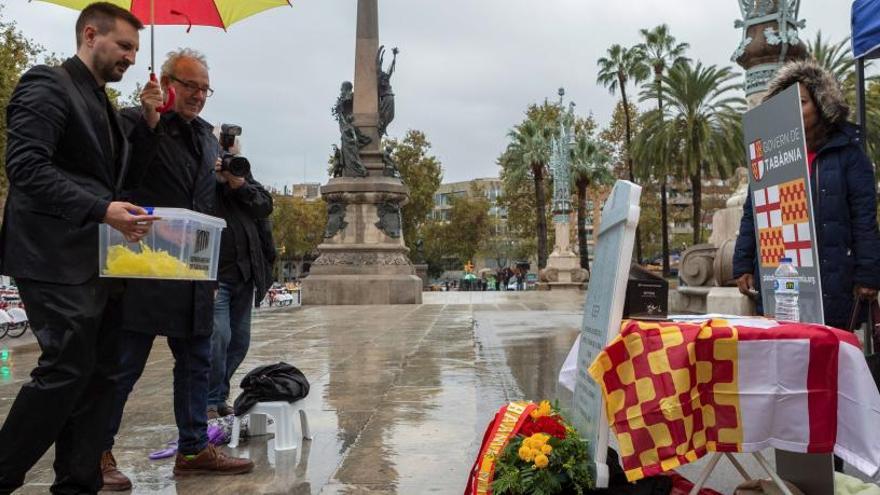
<point>400,395</point>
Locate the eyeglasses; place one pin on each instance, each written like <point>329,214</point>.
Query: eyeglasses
<point>193,87</point>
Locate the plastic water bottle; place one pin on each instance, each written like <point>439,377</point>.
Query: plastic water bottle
<point>786,291</point>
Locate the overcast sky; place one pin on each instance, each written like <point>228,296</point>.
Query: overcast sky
<point>466,71</point>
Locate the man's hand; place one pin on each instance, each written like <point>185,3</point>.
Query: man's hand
<point>865,293</point>
<point>151,99</point>
<point>233,180</point>
<point>746,284</point>
<point>133,221</point>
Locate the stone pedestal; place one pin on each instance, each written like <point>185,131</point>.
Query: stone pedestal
<point>363,260</point>
<point>422,273</point>
<point>563,271</point>
<point>729,301</point>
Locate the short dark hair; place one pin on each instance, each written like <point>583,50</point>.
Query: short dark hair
<point>103,16</point>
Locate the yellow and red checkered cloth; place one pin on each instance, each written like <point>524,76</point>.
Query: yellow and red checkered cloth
<point>675,391</point>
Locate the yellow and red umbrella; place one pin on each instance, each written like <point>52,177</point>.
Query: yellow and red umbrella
<point>216,13</point>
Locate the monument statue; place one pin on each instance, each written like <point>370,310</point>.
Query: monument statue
<point>364,260</point>
<point>386,95</point>
<point>347,159</point>
<point>335,219</point>
<point>563,269</point>
<point>391,169</point>
<point>389,218</point>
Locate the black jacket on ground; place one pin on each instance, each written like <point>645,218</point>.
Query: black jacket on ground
<point>242,255</point>
<point>179,173</point>
<point>845,213</point>
<point>272,382</point>
<point>66,160</point>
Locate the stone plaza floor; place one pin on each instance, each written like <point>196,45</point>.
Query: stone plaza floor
<point>400,395</point>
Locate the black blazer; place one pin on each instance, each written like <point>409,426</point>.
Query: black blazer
<point>62,175</point>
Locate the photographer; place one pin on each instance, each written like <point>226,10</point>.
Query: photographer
<point>246,256</point>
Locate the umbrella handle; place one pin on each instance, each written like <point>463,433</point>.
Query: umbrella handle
<point>172,95</point>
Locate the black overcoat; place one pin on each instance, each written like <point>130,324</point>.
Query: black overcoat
<point>178,174</point>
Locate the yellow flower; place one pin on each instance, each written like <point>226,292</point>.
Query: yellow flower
<point>541,461</point>
<point>546,449</point>
<point>525,454</point>
<point>542,410</point>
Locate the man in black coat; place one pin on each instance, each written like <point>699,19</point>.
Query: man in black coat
<point>66,160</point>
<point>245,274</point>
<point>179,174</point>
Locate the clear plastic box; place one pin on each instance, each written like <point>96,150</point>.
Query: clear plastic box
<point>183,245</point>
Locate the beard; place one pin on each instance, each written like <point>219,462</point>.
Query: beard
<point>110,70</point>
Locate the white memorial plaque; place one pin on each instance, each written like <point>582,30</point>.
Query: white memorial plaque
<point>603,312</point>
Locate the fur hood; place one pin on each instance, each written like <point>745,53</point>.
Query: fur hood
<point>823,87</point>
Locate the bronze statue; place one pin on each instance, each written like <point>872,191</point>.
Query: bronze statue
<point>390,169</point>
<point>389,218</point>
<point>347,159</point>
<point>386,95</point>
<point>335,219</point>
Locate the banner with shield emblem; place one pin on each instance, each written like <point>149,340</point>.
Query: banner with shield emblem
<point>782,205</point>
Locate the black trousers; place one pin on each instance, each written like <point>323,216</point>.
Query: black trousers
<point>70,396</point>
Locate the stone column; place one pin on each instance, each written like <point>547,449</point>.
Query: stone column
<point>363,259</point>
<point>366,91</point>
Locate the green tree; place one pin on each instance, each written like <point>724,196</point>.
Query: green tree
<point>527,156</point>
<point>298,226</point>
<point>836,58</point>
<point>700,129</point>
<point>469,224</point>
<point>620,67</point>
<point>661,51</point>
<point>589,165</point>
<point>421,172</point>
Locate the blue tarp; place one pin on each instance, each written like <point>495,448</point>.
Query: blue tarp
<point>866,28</point>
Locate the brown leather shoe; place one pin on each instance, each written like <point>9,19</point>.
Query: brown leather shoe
<point>114,480</point>
<point>211,461</point>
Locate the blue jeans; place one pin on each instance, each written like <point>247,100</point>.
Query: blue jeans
<point>192,363</point>
<point>231,338</point>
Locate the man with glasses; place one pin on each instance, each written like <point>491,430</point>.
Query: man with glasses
<point>179,174</point>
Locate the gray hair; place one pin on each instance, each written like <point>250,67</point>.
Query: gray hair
<point>181,53</point>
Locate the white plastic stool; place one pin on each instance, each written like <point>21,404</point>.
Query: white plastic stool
<point>282,414</point>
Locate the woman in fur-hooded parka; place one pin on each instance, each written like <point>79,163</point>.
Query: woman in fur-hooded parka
<point>844,197</point>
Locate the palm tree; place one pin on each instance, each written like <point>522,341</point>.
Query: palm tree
<point>661,50</point>
<point>527,155</point>
<point>589,165</point>
<point>836,58</point>
<point>700,129</point>
<point>616,70</point>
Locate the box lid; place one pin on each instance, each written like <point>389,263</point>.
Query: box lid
<point>184,214</point>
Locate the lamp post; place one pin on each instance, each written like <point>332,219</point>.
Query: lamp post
<point>769,39</point>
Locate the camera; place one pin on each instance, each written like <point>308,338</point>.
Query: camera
<point>236,165</point>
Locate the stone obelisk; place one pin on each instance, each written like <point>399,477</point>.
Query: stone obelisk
<point>363,259</point>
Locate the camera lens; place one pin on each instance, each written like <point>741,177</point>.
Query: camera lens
<point>238,166</point>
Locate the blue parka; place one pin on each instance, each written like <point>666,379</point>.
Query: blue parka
<point>845,209</point>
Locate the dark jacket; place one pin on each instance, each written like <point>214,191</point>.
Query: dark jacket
<point>178,173</point>
<point>242,256</point>
<point>63,173</point>
<point>273,382</point>
<point>845,211</point>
